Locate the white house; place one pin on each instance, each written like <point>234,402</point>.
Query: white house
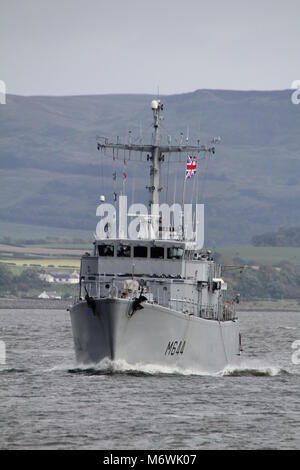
<point>46,277</point>
<point>60,278</point>
<point>49,295</point>
<point>74,278</point>
<point>44,295</point>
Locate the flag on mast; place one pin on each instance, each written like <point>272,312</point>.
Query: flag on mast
<point>191,167</point>
<point>124,176</point>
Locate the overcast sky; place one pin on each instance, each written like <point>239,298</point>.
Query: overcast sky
<point>134,46</point>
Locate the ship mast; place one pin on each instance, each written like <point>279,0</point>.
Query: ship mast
<point>155,154</point>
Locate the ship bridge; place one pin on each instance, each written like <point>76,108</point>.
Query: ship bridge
<point>168,273</point>
<point>159,258</point>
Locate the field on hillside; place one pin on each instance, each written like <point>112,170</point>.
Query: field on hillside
<point>42,263</point>
<point>250,254</point>
<point>15,232</point>
<point>262,254</point>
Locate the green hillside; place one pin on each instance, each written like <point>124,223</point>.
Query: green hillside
<point>283,237</point>
<point>51,175</point>
<point>266,255</point>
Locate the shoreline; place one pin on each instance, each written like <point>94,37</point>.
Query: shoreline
<point>288,305</point>
<point>267,309</point>
<point>283,305</point>
<point>40,304</point>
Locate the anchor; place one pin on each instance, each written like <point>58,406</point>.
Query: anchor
<point>90,301</point>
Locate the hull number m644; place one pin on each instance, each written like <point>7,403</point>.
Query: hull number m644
<point>175,347</point>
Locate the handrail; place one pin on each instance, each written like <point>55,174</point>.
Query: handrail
<point>114,288</point>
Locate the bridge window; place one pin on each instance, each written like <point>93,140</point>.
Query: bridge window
<point>106,250</point>
<point>157,252</point>
<point>140,251</point>
<point>124,251</point>
<point>175,252</point>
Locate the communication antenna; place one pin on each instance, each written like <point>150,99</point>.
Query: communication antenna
<point>155,155</point>
<point>187,134</point>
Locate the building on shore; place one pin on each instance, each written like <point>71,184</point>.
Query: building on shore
<point>49,295</point>
<point>60,277</point>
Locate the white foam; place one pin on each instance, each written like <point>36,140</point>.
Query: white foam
<point>252,367</point>
<point>154,369</point>
<point>120,366</point>
<point>246,367</point>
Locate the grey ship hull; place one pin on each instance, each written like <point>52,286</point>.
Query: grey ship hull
<point>153,335</point>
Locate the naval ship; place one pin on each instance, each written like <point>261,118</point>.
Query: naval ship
<point>154,299</point>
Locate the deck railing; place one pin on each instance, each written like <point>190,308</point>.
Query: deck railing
<point>114,288</point>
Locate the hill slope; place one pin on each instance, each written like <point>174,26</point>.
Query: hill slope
<point>283,237</point>
<point>51,175</point>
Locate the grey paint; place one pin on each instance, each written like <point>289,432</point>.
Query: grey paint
<point>144,338</point>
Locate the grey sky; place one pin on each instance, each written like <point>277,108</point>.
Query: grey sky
<point>119,46</point>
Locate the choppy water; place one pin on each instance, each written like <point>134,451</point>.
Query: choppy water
<point>46,401</point>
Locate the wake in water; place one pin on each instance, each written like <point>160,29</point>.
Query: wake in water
<point>11,370</point>
<point>250,368</point>
<point>108,367</point>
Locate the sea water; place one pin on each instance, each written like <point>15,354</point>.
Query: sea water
<point>47,401</point>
